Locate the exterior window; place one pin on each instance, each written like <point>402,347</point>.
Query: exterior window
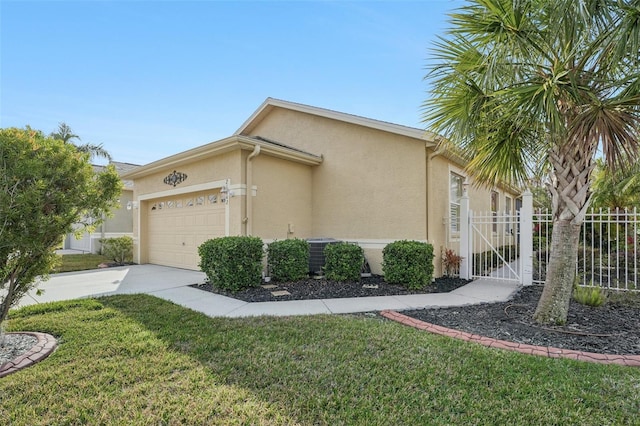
<point>455,193</point>
<point>199,200</point>
<point>213,199</point>
<point>508,210</point>
<point>494,210</point>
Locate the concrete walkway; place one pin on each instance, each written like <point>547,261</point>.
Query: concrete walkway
<point>173,284</point>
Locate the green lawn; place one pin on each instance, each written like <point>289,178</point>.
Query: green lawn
<point>79,262</point>
<point>141,360</point>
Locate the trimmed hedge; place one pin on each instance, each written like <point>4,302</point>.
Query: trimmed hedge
<point>343,262</point>
<point>288,260</point>
<point>119,249</point>
<point>408,263</point>
<point>232,263</point>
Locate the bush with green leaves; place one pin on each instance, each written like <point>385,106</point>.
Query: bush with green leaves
<point>232,263</point>
<point>288,260</point>
<point>119,249</point>
<point>343,262</point>
<point>46,188</point>
<point>408,263</point>
<point>589,295</point>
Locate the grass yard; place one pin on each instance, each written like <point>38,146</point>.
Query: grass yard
<point>79,262</point>
<point>137,360</point>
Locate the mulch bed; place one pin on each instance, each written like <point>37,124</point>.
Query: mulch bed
<point>613,328</point>
<point>324,289</point>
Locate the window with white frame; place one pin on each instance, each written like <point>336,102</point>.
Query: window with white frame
<point>455,193</point>
<point>509,212</point>
<point>494,209</point>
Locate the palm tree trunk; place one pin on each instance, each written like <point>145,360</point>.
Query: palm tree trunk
<point>572,165</point>
<point>553,306</point>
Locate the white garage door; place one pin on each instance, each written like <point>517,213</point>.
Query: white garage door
<point>178,225</point>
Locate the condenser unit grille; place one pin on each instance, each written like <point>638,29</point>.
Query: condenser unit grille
<point>316,254</point>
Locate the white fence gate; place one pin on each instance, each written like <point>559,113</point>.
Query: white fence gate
<point>492,244</point>
<point>495,245</point>
<point>503,246</point>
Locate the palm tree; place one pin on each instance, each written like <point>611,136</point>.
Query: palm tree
<point>521,86</point>
<point>616,189</point>
<point>65,134</point>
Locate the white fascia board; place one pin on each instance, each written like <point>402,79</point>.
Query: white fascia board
<point>339,116</point>
<point>203,151</point>
<point>183,190</point>
<point>220,147</point>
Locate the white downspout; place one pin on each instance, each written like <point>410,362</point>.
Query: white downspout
<point>430,158</point>
<point>249,191</point>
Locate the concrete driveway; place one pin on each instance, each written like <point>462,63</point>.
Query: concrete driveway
<point>120,280</point>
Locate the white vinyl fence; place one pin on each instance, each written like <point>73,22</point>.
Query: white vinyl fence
<point>609,253</point>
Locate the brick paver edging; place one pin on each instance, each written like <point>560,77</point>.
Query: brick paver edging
<point>44,346</point>
<point>551,352</point>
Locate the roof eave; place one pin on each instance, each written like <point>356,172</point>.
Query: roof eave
<point>220,147</point>
<point>271,103</point>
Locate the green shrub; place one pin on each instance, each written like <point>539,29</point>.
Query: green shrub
<point>343,261</point>
<point>288,260</point>
<point>232,263</point>
<point>590,296</point>
<point>408,263</point>
<point>119,249</point>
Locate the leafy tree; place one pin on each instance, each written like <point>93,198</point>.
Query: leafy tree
<point>520,85</point>
<point>65,134</point>
<point>45,187</point>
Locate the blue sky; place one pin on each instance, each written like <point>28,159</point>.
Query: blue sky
<point>148,79</point>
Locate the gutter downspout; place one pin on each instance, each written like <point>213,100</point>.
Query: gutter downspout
<point>438,151</point>
<point>249,191</point>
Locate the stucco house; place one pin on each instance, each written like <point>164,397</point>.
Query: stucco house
<point>121,223</point>
<point>298,171</point>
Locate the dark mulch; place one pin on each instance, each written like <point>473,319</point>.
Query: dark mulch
<point>324,289</point>
<point>613,328</point>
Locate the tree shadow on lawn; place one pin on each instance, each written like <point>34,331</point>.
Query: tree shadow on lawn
<point>365,370</point>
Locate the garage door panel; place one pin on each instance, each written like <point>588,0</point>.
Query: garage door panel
<point>176,232</point>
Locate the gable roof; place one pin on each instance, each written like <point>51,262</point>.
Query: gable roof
<point>121,169</point>
<point>231,143</point>
<point>270,103</point>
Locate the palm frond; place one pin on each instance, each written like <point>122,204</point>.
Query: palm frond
<point>94,151</point>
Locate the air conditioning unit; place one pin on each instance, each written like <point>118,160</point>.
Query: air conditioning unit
<point>316,254</point>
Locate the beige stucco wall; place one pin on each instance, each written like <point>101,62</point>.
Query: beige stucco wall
<point>226,166</point>
<point>122,219</point>
<point>371,185</point>
<point>282,201</point>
